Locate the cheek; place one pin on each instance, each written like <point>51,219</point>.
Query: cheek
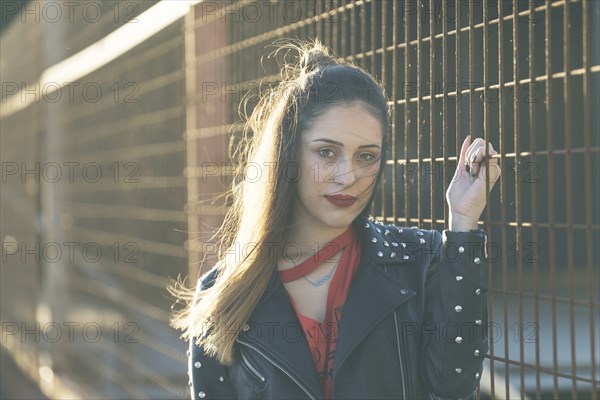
<point>369,174</point>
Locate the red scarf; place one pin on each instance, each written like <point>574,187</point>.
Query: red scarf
<point>322,337</point>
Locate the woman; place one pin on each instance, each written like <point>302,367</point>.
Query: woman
<point>311,296</point>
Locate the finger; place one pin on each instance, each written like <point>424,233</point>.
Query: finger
<point>475,161</point>
<point>491,164</point>
<point>475,144</point>
<point>463,151</point>
<point>491,173</point>
<point>478,156</point>
<point>471,153</point>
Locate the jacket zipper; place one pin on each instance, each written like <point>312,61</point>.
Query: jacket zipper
<point>398,344</point>
<point>253,370</point>
<point>280,367</point>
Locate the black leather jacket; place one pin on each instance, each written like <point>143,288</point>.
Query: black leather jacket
<point>412,327</point>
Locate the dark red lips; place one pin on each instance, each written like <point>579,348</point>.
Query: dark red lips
<point>341,200</point>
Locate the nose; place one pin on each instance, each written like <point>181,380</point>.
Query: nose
<point>346,172</point>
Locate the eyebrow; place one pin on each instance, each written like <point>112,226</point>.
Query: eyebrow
<point>342,145</point>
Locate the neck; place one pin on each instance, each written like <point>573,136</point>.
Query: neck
<point>307,236</point>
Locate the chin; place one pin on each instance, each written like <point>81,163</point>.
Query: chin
<point>340,219</point>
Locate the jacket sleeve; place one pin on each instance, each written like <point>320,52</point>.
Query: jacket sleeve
<point>454,331</point>
<point>209,379</point>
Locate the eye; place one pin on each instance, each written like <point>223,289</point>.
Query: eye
<point>368,157</point>
<point>326,153</point>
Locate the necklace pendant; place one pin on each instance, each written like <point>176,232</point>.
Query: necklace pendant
<point>322,280</point>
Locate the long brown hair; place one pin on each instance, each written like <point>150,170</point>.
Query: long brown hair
<point>261,212</point>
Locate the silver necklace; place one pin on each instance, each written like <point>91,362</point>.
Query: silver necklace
<point>324,279</point>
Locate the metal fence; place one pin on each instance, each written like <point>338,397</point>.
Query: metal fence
<point>93,201</point>
<point>521,74</point>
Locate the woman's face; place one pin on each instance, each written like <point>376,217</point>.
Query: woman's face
<point>340,156</point>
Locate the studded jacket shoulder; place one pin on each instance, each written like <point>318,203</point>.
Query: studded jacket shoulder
<point>412,327</point>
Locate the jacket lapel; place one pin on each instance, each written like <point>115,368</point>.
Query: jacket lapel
<point>373,295</point>
<point>373,292</point>
<point>275,329</point>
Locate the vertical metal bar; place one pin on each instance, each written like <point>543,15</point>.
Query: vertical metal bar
<point>236,58</point>
<point>471,67</point>
<point>395,30</point>
<point>471,133</point>
<point>432,196</point>
<point>374,23</point>
<point>352,27</point>
<point>325,7</point>
<point>587,130</point>
<point>337,20</point>
<point>502,181</point>
<point>569,187</point>
<point>516,115</point>
<point>383,83</point>
<point>534,201</point>
<point>327,26</point>
<point>363,35</point>
<point>406,106</point>
<point>342,19</point>
<point>445,98</point>
<point>319,23</point>
<point>550,174</point>
<point>330,25</point>
<point>194,255</point>
<point>458,132</point>
<point>419,116</point>
<point>314,25</point>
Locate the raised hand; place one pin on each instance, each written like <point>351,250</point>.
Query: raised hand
<point>466,194</point>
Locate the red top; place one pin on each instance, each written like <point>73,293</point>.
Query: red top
<point>322,337</point>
